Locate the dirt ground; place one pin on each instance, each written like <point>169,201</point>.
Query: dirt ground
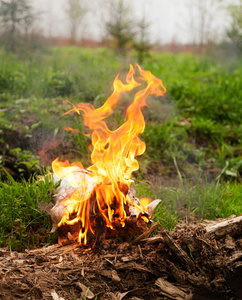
<point>187,263</point>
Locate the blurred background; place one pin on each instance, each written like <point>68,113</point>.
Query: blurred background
<point>167,21</point>
<point>167,25</point>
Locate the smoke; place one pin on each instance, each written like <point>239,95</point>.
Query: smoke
<point>48,147</point>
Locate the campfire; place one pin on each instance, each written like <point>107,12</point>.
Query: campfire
<point>96,202</point>
<point>198,259</point>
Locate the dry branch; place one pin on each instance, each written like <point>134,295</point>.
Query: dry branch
<point>231,227</point>
<point>146,234</point>
<point>171,291</point>
<point>177,250</point>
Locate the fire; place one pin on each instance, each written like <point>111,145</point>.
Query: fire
<point>100,193</point>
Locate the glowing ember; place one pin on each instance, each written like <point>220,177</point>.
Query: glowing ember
<point>100,192</point>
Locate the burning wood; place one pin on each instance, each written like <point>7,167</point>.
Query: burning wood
<point>92,202</point>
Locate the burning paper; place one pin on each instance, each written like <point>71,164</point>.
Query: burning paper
<point>98,197</point>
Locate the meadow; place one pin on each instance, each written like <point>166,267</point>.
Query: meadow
<point>193,135</point>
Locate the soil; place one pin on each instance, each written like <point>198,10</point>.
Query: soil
<point>186,263</point>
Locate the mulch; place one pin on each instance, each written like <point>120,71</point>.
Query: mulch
<point>191,262</point>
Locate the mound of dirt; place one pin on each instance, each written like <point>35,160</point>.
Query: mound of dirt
<point>195,261</point>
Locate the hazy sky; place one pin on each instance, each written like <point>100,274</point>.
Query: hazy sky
<point>170,20</point>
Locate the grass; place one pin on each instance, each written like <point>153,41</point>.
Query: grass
<point>193,160</point>
<point>203,200</point>
<point>22,224</point>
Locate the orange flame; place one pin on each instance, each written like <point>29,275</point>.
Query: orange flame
<point>102,190</point>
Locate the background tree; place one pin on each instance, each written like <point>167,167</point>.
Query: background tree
<point>16,17</point>
<point>141,41</point>
<point>202,25</point>
<point>120,26</point>
<point>235,31</point>
<point>75,12</point>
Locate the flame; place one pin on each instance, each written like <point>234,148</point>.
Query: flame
<point>144,202</point>
<point>101,190</point>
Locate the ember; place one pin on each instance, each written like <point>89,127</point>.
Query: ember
<point>99,196</point>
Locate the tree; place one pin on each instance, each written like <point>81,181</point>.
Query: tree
<point>235,31</point>
<point>75,11</point>
<point>202,21</point>
<point>16,18</point>
<point>120,27</point>
<point>141,43</point>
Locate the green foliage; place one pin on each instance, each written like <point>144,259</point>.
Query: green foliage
<point>22,224</point>
<point>126,34</point>
<point>120,27</point>
<point>16,17</point>
<point>235,31</point>
<point>165,213</point>
<point>163,137</point>
<point>80,73</point>
<point>4,83</point>
<point>141,42</point>
<point>205,200</point>
<point>25,160</point>
<point>194,130</point>
<point>58,84</point>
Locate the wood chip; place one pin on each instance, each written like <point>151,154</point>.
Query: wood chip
<point>115,277</point>
<point>238,265</point>
<point>127,258</point>
<point>112,296</point>
<point>86,292</point>
<point>120,296</point>
<point>50,273</point>
<point>170,290</point>
<point>182,256</point>
<point>132,266</point>
<point>146,233</point>
<point>55,296</point>
<point>153,240</point>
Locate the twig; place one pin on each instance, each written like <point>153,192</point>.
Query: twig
<point>140,252</point>
<point>177,250</point>
<point>231,227</point>
<point>146,233</point>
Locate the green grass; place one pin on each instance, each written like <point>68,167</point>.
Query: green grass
<point>204,200</point>
<point>69,71</point>
<point>22,224</point>
<point>193,134</point>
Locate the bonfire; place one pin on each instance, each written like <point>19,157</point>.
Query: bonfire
<point>197,260</point>
<point>98,198</point>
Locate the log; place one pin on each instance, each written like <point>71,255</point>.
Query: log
<point>232,227</point>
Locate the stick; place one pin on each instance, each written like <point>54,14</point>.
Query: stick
<point>231,227</point>
<point>146,233</point>
<point>177,250</point>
